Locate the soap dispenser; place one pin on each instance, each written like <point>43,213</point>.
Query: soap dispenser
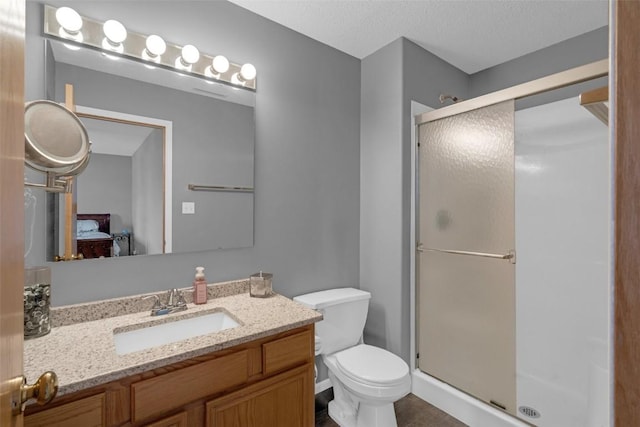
<point>200,287</point>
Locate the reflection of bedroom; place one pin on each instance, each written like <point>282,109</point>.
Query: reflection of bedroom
<point>119,191</point>
<point>93,236</point>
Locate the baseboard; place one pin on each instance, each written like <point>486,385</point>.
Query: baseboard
<point>323,385</point>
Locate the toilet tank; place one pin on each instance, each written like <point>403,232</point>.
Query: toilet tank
<point>344,312</point>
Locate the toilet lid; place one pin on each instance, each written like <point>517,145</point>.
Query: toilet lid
<point>372,365</point>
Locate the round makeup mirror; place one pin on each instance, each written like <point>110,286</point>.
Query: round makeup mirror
<point>56,141</point>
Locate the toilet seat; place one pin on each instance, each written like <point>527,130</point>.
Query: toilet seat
<point>372,366</point>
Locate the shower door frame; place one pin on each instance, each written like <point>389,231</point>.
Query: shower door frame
<point>544,84</point>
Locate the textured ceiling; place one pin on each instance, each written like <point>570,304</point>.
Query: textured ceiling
<point>470,34</point>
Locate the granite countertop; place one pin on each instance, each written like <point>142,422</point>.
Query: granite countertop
<point>83,354</point>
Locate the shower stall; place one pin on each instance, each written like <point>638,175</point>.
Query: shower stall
<point>513,256</point>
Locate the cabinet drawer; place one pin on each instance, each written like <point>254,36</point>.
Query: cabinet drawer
<point>87,412</point>
<point>173,390</point>
<point>287,352</point>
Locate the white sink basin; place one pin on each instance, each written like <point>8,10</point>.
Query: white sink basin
<point>177,330</point>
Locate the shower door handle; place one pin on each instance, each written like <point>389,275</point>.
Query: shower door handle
<point>510,255</point>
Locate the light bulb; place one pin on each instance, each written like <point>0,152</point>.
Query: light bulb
<point>155,45</point>
<point>248,72</point>
<point>70,24</point>
<point>69,19</point>
<point>188,56</point>
<point>154,49</point>
<point>115,34</point>
<point>220,64</point>
<point>115,31</point>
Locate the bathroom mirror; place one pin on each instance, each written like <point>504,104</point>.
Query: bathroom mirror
<point>209,171</point>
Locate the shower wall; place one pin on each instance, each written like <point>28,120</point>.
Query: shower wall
<point>562,242</point>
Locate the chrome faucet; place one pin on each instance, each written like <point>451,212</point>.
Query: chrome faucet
<point>175,302</point>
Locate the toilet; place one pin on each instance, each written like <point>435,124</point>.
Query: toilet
<point>366,380</point>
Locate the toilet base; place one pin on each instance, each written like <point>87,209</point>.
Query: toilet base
<point>367,416</point>
<point>376,415</point>
<point>342,417</point>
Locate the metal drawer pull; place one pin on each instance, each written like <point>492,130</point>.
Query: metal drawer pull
<point>511,255</point>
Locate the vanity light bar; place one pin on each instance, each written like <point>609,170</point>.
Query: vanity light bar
<point>121,42</point>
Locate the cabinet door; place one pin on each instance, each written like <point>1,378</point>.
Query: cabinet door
<point>284,401</point>
<point>177,420</point>
<point>88,412</point>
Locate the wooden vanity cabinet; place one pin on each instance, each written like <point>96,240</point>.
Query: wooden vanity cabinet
<point>267,382</point>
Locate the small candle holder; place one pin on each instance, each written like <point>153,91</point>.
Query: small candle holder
<point>260,285</point>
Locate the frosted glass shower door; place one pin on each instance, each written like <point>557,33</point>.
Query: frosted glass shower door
<point>466,291</point>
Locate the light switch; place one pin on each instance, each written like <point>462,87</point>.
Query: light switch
<point>188,207</point>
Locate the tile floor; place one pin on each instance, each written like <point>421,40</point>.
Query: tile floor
<point>411,411</point>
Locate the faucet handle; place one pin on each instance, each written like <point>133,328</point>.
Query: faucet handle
<point>156,303</point>
<point>181,300</point>
<point>174,297</point>
<point>170,297</point>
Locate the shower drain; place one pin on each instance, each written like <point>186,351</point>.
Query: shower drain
<point>529,412</point>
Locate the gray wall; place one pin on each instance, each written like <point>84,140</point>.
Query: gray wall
<point>104,187</point>
<point>391,78</point>
<point>589,47</point>
<point>306,155</point>
<point>148,191</point>
<point>381,194</point>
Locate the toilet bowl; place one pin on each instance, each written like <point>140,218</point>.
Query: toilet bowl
<point>366,380</point>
